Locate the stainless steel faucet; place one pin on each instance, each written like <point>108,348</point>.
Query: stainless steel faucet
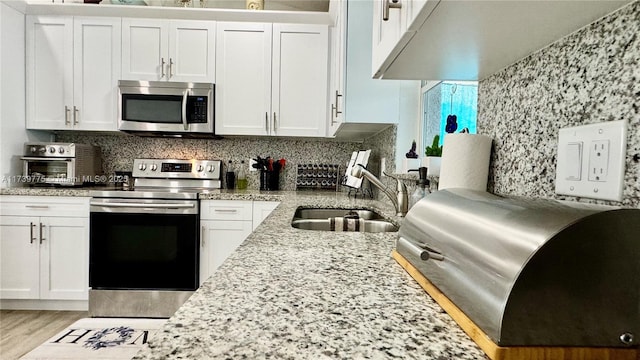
<point>400,198</point>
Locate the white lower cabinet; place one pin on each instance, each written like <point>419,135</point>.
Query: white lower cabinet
<point>44,253</point>
<point>262,209</point>
<point>225,224</point>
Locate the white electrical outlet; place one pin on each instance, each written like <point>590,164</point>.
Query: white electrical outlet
<point>591,160</point>
<point>598,160</point>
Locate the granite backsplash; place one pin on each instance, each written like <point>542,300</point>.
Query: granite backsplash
<point>119,150</point>
<point>590,76</point>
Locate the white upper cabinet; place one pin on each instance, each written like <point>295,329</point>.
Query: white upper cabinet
<point>360,105</point>
<point>300,79</point>
<point>73,66</point>
<point>271,79</point>
<point>471,40</point>
<point>389,22</point>
<point>338,11</point>
<point>168,50</point>
<point>243,70</point>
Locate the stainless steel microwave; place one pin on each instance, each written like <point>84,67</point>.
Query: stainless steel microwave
<point>166,108</point>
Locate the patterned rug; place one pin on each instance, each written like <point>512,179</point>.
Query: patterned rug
<point>98,338</point>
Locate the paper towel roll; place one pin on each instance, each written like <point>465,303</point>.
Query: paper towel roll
<point>465,161</point>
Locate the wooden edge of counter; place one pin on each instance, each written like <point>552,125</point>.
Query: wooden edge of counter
<point>496,352</point>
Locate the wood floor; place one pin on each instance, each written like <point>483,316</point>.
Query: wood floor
<point>23,330</point>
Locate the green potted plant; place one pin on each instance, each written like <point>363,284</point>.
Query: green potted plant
<point>433,157</point>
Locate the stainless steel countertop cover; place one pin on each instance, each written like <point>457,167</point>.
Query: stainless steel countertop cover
<point>531,272</point>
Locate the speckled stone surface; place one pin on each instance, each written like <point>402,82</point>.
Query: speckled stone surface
<point>296,294</point>
<point>590,76</point>
<point>45,191</point>
<point>119,150</point>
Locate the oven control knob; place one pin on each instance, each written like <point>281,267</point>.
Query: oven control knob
<point>33,149</point>
<point>52,150</point>
<point>200,168</point>
<point>61,150</point>
<point>210,168</point>
<point>154,167</point>
<point>142,167</point>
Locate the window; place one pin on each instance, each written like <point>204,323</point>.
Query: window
<point>441,99</point>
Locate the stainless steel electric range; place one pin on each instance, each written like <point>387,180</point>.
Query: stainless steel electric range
<point>145,241</point>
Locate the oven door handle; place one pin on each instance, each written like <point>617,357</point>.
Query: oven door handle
<point>44,158</point>
<point>137,206</point>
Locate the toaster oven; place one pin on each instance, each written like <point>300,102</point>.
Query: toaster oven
<point>67,164</point>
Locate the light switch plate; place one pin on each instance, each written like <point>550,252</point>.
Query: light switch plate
<point>591,160</point>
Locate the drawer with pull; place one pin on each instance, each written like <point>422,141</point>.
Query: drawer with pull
<point>226,210</point>
<point>15,205</point>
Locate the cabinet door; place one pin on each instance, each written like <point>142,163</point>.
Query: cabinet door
<point>219,239</point>
<point>337,66</point>
<point>19,249</point>
<point>386,34</point>
<point>366,100</point>
<point>192,51</point>
<point>243,78</point>
<point>262,209</point>
<point>97,47</point>
<point>300,79</point>
<point>49,72</point>
<point>64,258</point>
<point>145,55</point>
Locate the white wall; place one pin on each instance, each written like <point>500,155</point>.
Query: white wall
<point>409,122</point>
<point>12,95</point>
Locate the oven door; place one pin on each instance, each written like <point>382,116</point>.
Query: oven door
<point>147,106</point>
<point>61,171</point>
<point>144,244</point>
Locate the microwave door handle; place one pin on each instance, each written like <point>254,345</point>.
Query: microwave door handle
<point>184,109</point>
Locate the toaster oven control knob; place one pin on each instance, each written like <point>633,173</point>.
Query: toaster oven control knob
<point>154,167</point>
<point>142,166</point>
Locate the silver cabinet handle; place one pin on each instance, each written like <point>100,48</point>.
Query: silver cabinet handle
<point>75,115</point>
<point>226,210</point>
<point>274,122</point>
<point>337,96</point>
<point>31,226</point>
<point>266,122</point>
<point>333,114</point>
<point>202,236</point>
<point>389,4</point>
<point>171,68</point>
<point>42,233</point>
<point>162,67</point>
<point>66,115</point>
<point>37,206</point>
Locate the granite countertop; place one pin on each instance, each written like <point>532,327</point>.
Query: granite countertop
<point>46,191</point>
<point>297,294</point>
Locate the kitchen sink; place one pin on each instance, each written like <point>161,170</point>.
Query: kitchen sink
<point>319,219</point>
